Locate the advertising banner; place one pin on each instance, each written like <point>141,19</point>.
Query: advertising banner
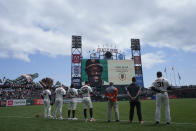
<point>38,101</point>
<point>76,81</point>
<point>19,102</point>
<point>29,102</point>
<point>9,103</point>
<point>138,70</point>
<point>95,55</point>
<point>76,58</point>
<point>3,103</point>
<point>137,59</point>
<point>107,49</point>
<point>120,72</point>
<point>76,70</point>
<point>139,81</point>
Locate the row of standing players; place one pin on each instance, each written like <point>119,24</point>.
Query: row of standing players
<point>160,86</point>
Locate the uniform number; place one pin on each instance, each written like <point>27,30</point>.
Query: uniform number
<point>160,84</point>
<point>85,90</point>
<point>71,93</point>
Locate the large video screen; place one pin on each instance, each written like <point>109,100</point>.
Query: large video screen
<point>100,72</point>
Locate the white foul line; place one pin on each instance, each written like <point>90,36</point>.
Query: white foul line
<point>176,123</point>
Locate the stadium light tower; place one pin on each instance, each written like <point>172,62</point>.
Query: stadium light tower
<point>76,51</point>
<point>136,56</point>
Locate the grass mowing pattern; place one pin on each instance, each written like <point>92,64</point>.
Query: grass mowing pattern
<point>23,118</point>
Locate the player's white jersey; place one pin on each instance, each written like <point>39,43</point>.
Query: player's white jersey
<point>60,92</point>
<point>46,94</point>
<point>161,84</point>
<point>72,93</point>
<point>85,91</point>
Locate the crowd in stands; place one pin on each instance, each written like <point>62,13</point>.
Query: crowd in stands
<point>34,93</point>
<point>19,93</point>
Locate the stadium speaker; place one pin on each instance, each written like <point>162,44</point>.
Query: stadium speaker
<point>108,55</point>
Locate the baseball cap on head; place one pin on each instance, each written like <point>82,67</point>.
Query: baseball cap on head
<point>92,63</point>
<point>159,74</point>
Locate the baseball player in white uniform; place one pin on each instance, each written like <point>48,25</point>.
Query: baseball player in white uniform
<point>73,94</point>
<point>60,93</point>
<point>86,99</point>
<point>160,86</point>
<point>47,107</point>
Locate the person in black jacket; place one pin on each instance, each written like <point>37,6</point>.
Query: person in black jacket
<point>133,91</point>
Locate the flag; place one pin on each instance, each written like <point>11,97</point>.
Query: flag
<point>165,70</point>
<point>179,76</point>
<point>4,79</point>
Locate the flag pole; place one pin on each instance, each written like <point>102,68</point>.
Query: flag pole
<point>170,77</point>
<point>179,79</point>
<point>174,76</point>
<point>165,72</point>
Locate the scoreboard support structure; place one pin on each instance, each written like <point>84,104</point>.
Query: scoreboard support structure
<point>136,56</point>
<point>76,53</point>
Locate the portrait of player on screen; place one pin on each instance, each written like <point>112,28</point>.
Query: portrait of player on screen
<point>94,70</point>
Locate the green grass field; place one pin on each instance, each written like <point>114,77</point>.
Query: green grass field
<point>22,118</point>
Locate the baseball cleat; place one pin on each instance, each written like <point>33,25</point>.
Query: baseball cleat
<point>92,120</point>
<point>74,118</point>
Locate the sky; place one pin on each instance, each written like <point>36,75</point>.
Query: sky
<point>35,35</point>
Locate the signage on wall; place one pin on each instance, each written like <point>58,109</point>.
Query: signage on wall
<point>76,70</point>
<point>137,59</point>
<point>76,58</point>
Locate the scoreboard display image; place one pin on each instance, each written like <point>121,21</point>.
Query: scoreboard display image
<point>100,72</point>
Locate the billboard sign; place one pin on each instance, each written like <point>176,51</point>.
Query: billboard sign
<point>138,70</point>
<point>76,81</point>
<point>107,49</point>
<point>38,101</point>
<point>19,102</point>
<point>9,103</point>
<point>76,70</point>
<point>76,58</point>
<point>101,72</point>
<point>137,59</point>
<point>95,55</point>
<point>139,81</point>
<point>3,103</point>
<point>16,102</point>
<point>120,72</point>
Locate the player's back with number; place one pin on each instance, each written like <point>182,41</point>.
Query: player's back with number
<point>161,84</point>
<point>60,92</point>
<point>46,94</point>
<point>85,91</point>
<point>72,93</point>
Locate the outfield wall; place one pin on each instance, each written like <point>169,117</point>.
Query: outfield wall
<point>24,102</point>
<point>21,102</point>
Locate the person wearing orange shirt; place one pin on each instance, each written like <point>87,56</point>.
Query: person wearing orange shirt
<point>111,93</point>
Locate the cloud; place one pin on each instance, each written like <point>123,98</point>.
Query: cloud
<point>21,56</point>
<point>46,26</point>
<point>151,59</point>
<point>173,25</point>
<point>3,54</point>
